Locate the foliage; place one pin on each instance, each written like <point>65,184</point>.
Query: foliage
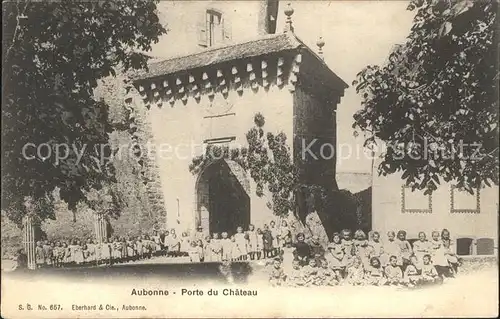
<point>435,103</point>
<point>53,55</point>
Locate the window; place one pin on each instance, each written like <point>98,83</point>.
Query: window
<point>415,201</point>
<point>213,29</point>
<point>464,202</point>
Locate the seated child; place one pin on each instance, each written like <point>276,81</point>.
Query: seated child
<point>302,250</point>
<point>336,256</point>
<point>451,256</point>
<point>317,250</point>
<point>429,272</point>
<point>310,273</point>
<point>355,272</point>
<point>393,272</point>
<point>375,274</point>
<point>411,277</point>
<point>327,276</point>
<point>295,278</point>
<point>277,276</point>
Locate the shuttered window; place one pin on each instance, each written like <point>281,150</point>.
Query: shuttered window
<point>213,29</point>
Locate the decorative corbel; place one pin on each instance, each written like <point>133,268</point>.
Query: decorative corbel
<point>265,81</point>
<point>252,77</point>
<point>294,72</point>
<point>279,72</point>
<point>195,90</point>
<point>208,85</point>
<point>237,79</point>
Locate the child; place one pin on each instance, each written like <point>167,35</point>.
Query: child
<point>411,277</point>
<point>421,248</point>
<point>267,238</point>
<point>302,250</point>
<point>77,252</point>
<point>429,273</point>
<point>174,245</point>
<point>348,245</point>
<point>285,235</point>
<point>260,243</point>
<point>295,278</point>
<point>139,248</point>
<point>193,252</point>
<point>252,241</point>
<point>275,241</point>
<point>375,273</point>
<point>377,249</point>
<point>405,249</point>
<point>391,248</point>
<point>241,243</point>
<point>106,252</point>
<point>355,272</point>
<point>200,249</point>
<point>216,247</point>
<point>48,252</point>
<point>68,259</point>
<point>277,276</point>
<point>235,252</point>
<point>91,252</point>
<point>185,244</point>
<point>393,272</point>
<point>362,249</point>
<point>317,250</point>
<point>227,247</point>
<point>310,273</point>
<point>326,275</point>
<point>451,257</point>
<point>336,256</point>
<point>207,250</point>
<point>85,254</point>
<point>39,255</point>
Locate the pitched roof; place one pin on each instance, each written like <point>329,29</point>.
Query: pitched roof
<point>235,51</point>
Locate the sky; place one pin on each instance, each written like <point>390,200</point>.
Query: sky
<point>356,33</point>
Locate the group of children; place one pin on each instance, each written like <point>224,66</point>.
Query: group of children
<point>369,261</point>
<point>252,244</point>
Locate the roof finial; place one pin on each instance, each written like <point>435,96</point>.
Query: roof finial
<point>288,13</point>
<point>320,43</point>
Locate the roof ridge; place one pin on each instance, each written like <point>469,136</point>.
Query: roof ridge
<point>226,45</point>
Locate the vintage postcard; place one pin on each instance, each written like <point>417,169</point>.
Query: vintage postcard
<point>260,158</point>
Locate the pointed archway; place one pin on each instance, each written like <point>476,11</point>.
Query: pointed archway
<point>222,198</point>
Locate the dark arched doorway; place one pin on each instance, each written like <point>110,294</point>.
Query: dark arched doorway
<point>223,201</point>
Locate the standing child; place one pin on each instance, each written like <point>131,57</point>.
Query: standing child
<point>285,235</point>
<point>174,245</point>
<point>391,248</point>
<point>235,251</point>
<point>377,249</point>
<point>106,252</point>
<point>252,242</point>
<point>336,256</point>
<point>39,255</point>
<point>227,247</point>
<point>77,252</point>
<point>68,259</point>
<point>275,241</point>
<point>207,250</point>
<point>375,273</point>
<point>267,238</point>
<point>48,252</point>
<point>421,248</point>
<point>200,249</point>
<point>241,242</point>
<point>277,276</point>
<point>405,248</point>
<point>91,259</point>
<point>185,244</point>
<point>348,245</point>
<point>362,249</point>
<point>216,247</point>
<point>260,243</point>
<point>393,272</point>
<point>194,253</point>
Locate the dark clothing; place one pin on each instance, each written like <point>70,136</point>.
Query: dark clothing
<point>267,238</point>
<point>302,250</point>
<point>22,261</point>
<point>317,250</point>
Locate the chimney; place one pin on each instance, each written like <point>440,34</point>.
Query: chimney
<point>268,15</point>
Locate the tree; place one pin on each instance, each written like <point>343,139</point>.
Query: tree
<point>53,55</point>
<point>434,104</point>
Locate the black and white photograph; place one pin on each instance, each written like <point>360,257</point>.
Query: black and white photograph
<point>249,158</point>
